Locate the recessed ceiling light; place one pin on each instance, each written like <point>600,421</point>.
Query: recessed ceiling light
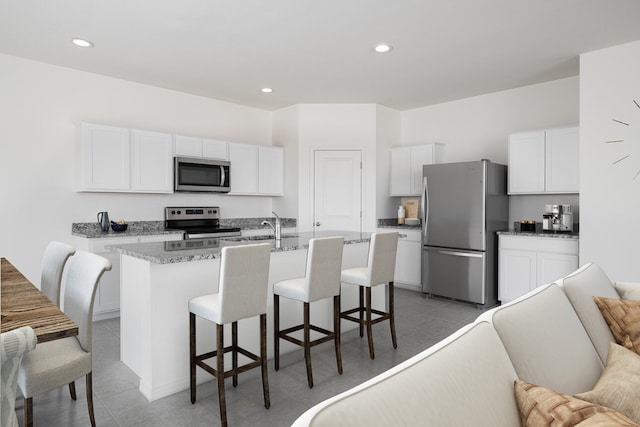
<point>383,48</point>
<point>81,42</point>
<point>267,90</point>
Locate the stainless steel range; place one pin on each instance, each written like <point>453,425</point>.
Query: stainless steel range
<point>197,222</point>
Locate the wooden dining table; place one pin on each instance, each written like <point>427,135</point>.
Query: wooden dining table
<point>22,304</point>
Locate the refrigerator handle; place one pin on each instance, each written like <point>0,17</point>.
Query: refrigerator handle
<point>424,209</point>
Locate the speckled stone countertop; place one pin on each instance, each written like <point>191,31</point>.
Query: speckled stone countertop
<point>210,248</point>
<point>547,234</point>
<point>91,230</point>
<point>393,223</point>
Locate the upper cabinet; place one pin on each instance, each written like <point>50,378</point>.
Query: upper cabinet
<point>118,159</point>
<point>256,170</point>
<point>200,147</point>
<point>544,161</point>
<point>406,167</point>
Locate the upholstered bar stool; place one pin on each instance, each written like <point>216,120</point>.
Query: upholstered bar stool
<point>242,293</point>
<point>380,269</point>
<point>322,280</point>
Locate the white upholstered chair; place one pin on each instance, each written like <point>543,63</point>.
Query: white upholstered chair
<point>242,293</point>
<point>322,280</point>
<point>56,363</point>
<point>380,270</point>
<point>13,346</point>
<point>53,261</point>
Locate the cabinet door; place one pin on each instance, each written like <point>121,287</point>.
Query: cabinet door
<point>562,173</point>
<point>105,158</point>
<point>270,170</point>
<point>527,162</point>
<point>244,168</point>
<point>408,263</point>
<point>212,149</point>
<point>152,161</point>
<point>517,273</point>
<point>420,155</point>
<point>400,171</point>
<point>551,267</point>
<point>188,146</point>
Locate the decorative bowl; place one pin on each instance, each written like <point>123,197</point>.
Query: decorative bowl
<point>118,227</point>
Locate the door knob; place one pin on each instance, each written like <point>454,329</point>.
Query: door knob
<point>318,224</point>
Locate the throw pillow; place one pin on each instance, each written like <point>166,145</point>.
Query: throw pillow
<point>619,385</point>
<point>623,318</point>
<point>541,407</point>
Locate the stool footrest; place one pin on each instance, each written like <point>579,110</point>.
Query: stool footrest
<point>284,334</point>
<point>256,361</point>
<point>347,315</point>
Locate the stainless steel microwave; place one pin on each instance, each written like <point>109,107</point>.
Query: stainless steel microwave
<point>201,175</point>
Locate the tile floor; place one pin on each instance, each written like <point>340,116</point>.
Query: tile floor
<point>420,322</point>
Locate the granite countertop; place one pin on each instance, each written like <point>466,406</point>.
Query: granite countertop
<point>210,248</point>
<point>393,223</point>
<point>547,234</point>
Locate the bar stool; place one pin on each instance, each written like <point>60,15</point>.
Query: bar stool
<point>242,293</point>
<point>379,270</point>
<point>322,280</point>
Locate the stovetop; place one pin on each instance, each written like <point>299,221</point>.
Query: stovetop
<point>197,222</point>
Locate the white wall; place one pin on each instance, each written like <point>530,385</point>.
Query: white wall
<point>337,126</point>
<point>610,196</point>
<point>286,134</point>
<point>39,107</point>
<point>388,124</point>
<point>478,128</point>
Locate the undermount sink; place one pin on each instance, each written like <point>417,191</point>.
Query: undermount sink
<point>257,238</point>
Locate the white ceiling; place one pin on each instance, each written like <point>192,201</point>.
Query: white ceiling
<point>321,51</point>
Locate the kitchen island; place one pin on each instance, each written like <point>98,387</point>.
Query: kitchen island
<point>159,278</point>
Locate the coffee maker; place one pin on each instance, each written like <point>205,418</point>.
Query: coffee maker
<point>557,218</point>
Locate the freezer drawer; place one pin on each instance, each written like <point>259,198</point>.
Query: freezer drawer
<point>454,273</point>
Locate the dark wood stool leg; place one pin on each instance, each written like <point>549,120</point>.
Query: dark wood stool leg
<point>368,322</point>
<point>361,299</point>
<point>28,412</point>
<point>89,384</point>
<point>234,352</point>
<point>392,318</point>
<point>192,356</point>
<point>263,357</point>
<point>276,331</point>
<point>72,390</point>
<point>220,373</point>
<point>336,331</point>
<point>307,345</point>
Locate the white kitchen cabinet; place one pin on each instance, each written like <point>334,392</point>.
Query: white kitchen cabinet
<point>406,167</point>
<point>107,300</point>
<point>115,159</point>
<point>189,146</point>
<point>256,170</point>
<point>544,161</point>
<point>526,262</point>
<point>152,166</point>
<point>408,273</point>
<point>103,158</point>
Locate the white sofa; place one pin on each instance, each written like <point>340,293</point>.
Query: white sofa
<point>554,337</point>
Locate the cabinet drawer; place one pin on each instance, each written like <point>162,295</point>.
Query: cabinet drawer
<point>540,244</point>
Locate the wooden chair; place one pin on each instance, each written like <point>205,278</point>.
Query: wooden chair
<point>322,280</point>
<point>242,293</point>
<point>380,269</point>
<point>62,361</point>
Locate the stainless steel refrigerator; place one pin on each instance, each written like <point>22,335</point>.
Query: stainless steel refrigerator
<point>462,207</point>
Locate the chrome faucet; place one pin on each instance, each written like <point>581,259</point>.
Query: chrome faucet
<point>277,228</point>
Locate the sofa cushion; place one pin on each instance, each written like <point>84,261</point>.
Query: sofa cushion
<point>580,287</point>
<point>628,290</point>
<point>465,379</point>
<point>619,386</point>
<point>542,407</point>
<point>546,342</point>
<point>623,318</point>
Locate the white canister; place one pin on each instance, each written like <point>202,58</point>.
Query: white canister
<point>401,215</point>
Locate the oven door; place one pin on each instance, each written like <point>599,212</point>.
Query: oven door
<point>202,175</point>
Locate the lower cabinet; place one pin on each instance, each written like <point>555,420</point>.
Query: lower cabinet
<point>107,301</point>
<point>527,262</point>
<point>408,259</point>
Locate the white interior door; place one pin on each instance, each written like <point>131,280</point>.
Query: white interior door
<point>337,190</point>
